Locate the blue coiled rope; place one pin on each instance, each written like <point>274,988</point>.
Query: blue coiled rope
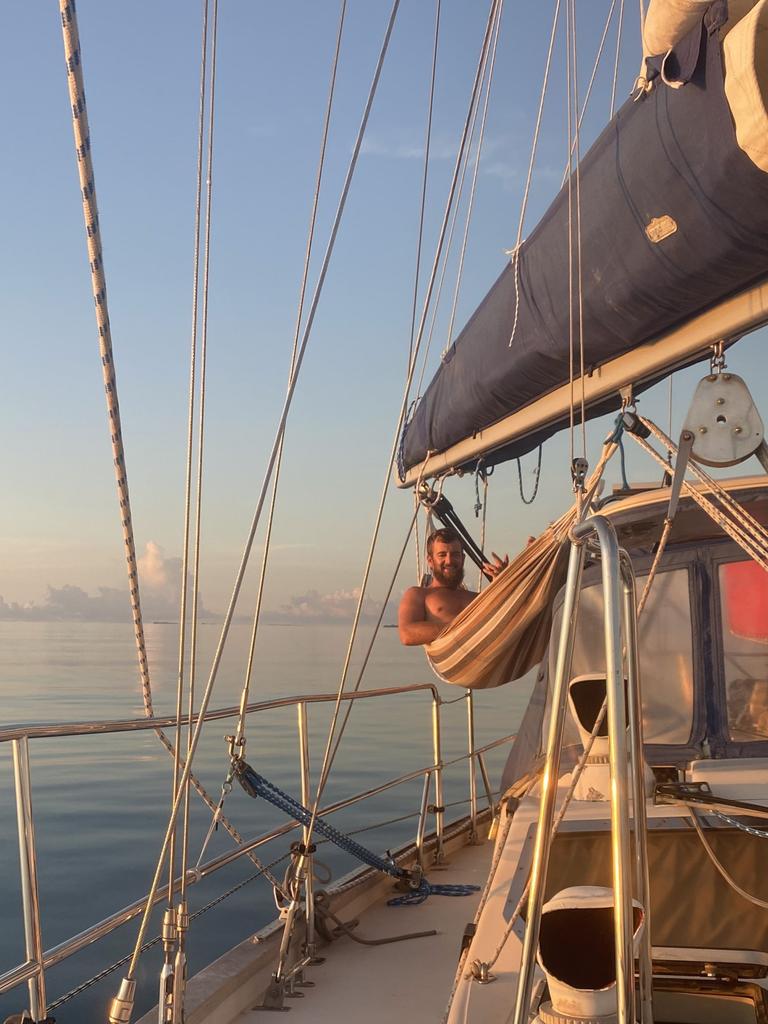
<point>256,785</point>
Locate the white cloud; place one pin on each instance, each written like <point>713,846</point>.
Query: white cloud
<point>317,608</point>
<point>160,587</point>
<point>440,149</point>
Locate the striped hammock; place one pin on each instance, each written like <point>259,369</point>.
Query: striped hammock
<point>504,632</point>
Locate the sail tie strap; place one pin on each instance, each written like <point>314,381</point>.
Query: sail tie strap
<point>256,785</point>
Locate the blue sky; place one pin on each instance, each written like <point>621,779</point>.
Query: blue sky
<point>59,525</point>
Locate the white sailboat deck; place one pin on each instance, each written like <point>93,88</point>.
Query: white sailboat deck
<point>405,981</point>
<point>408,981</point>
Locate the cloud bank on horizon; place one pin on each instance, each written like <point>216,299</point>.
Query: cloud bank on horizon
<point>160,582</point>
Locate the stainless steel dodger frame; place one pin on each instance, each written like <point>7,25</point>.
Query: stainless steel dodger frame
<point>38,960</point>
<point>620,622</point>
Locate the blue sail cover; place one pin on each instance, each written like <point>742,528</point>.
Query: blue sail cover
<point>670,155</point>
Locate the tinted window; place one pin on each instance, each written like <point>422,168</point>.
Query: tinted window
<point>666,654</point>
<point>744,616</point>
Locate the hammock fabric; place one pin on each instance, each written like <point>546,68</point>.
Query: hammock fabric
<point>503,633</point>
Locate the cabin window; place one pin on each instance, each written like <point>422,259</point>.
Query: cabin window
<point>666,654</point>
<point>744,618</point>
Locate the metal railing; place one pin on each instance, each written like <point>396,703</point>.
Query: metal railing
<point>38,960</point>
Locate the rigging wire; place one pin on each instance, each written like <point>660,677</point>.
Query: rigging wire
<point>579,280</point>
<point>531,161</point>
<point>265,483</point>
<point>372,640</point>
<point>592,77</point>
<point>449,243</point>
<point>200,437</point>
<point>329,747</point>
<point>240,729</point>
<point>98,280</point>
<point>618,54</point>
<point>190,433</point>
<point>81,130</point>
<point>569,108</point>
<point>427,146</point>
<point>473,186</point>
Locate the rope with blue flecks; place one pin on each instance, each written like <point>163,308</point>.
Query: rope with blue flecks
<point>99,285</point>
<point>257,786</point>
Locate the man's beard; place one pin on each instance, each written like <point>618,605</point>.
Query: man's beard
<point>451,576</point>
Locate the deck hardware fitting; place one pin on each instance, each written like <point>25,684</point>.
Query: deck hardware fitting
<point>121,1007</point>
<point>482,973</point>
<point>180,964</point>
<point>579,469</point>
<point>274,997</point>
<point>165,1001</point>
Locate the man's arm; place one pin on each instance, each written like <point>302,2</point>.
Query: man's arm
<point>412,621</point>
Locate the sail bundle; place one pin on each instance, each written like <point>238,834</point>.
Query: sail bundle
<point>674,215</point>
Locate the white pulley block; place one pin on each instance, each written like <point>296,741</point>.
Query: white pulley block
<point>724,421</point>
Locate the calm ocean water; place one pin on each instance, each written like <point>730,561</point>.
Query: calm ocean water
<point>101,803</point>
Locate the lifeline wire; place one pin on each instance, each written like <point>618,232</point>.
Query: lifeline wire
<point>265,483</point>
<point>403,407</point>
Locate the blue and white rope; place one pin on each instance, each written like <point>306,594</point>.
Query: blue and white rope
<point>257,786</point>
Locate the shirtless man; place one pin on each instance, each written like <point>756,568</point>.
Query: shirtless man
<point>426,611</point>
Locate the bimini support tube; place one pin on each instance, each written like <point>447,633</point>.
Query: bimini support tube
<point>618,604</point>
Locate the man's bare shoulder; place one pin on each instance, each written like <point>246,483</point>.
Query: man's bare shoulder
<point>413,599</point>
